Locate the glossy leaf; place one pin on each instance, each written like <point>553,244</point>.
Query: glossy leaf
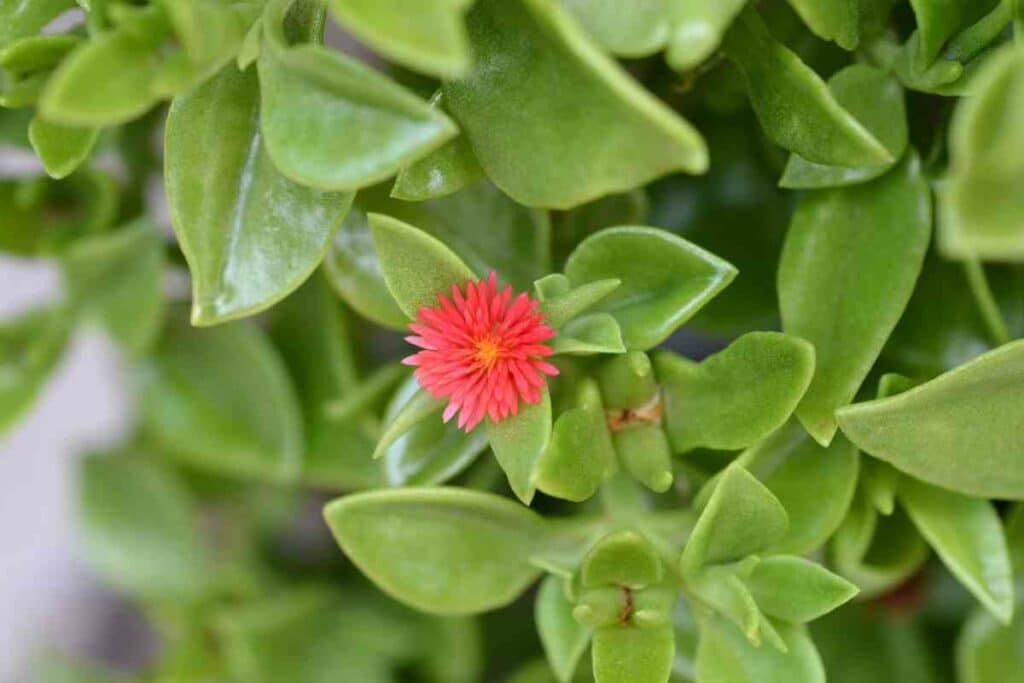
<point>876,101</point>
<point>30,347</point>
<point>332,123</point>
<point>564,639</point>
<point>814,484</point>
<point>665,280</point>
<point>140,529</point>
<point>27,18</point>
<point>968,536</point>
<point>835,20</point>
<point>249,234</point>
<point>561,302</point>
<point>725,656</point>
<point>954,431</point>
<point>519,442</point>
<point>431,39</point>
<point>117,278</point>
<point>626,138</point>
<point>220,399</point>
<point>938,21</point>
<point>628,654</point>
<point>848,268</point>
<point>794,105</point>
<point>589,334</point>
<point>741,517</point>
<point>696,29</point>
<point>416,267</point>
<point>635,30</point>
<point>736,397</point>
<point>795,589</point>
<point>448,551</point>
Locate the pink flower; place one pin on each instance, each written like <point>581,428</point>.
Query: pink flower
<point>483,350</point>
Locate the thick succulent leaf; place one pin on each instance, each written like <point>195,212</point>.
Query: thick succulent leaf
<point>354,271</point>
<point>518,443</point>
<point>105,81</point>
<point>429,38</point>
<point>311,331</point>
<point>968,535</point>
<point>27,18</point>
<point>624,558</point>
<point>30,346</point>
<point>835,20</point>
<point>628,654</point>
<point>221,399</point>
<point>741,517</point>
<point>580,456</point>
<point>988,651</point>
<point>561,302</point>
<point>875,99</point>
<point>61,148</point>
<point>447,551</point>
<point>564,639</point>
<point>664,279</point>
<point>725,656</point>
<point>814,484</point>
<point>851,259</point>
<point>696,29</point>
<point>644,452</point>
<point>117,278</point>
<point>332,123</point>
<point>957,431</point>
<point>249,234</point>
<point>794,105</point>
<point>532,63</point>
<point>140,529</point>
<point>795,589</point>
<point>431,451</point>
<point>634,30</point>
<point>590,334</point>
<point>736,397</point>
<point>980,206</point>
<point>939,20</point>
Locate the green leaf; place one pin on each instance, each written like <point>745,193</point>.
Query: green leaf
<point>736,397</point>
<point>61,148</point>
<point>988,651</point>
<point>431,451</point>
<point>140,529</point>
<point>834,20</point>
<point>968,535</point>
<point>794,105</point>
<point>589,334</point>
<point>696,29</point>
<point>105,81</point>
<point>814,484</point>
<point>876,101</point>
<point>410,406</point>
<point>28,18</point>
<point>30,347</point>
<point>725,656</point>
<point>634,30</point>
<point>561,302</point>
<point>332,123</point>
<point>979,207</point>
<point>581,454</point>
<point>417,267</point>
<point>447,551</point>
<point>117,277</point>
<point>939,20</point>
<point>311,331</point>
<point>624,558</point>
<point>741,518</point>
<point>628,654</point>
<point>644,452</point>
<point>250,235</point>
<point>220,399</point>
<point>532,63</point>
<point>444,171</point>
<point>665,279</point>
<point>797,590</point>
<point>518,443</point>
<point>430,38</point>
<point>848,268</point>
<point>956,431</point>
<point>354,271</point>
<point>209,32</point>
<point>564,639</point>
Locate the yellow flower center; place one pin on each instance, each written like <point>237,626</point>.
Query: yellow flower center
<point>488,351</point>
